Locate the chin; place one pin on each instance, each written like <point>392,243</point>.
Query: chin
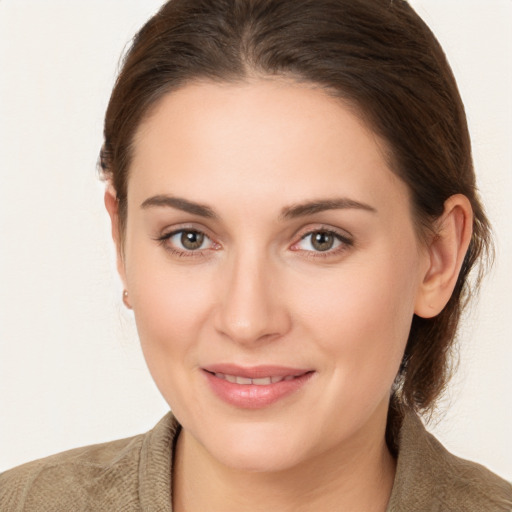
<point>251,460</point>
<point>256,448</point>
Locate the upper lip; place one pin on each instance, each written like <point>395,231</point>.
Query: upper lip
<point>255,372</point>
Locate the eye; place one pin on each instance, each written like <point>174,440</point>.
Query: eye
<point>186,242</point>
<point>323,241</point>
<point>190,240</point>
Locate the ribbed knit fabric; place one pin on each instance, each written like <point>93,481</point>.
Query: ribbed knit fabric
<point>431,479</point>
<point>126,475</point>
<point>134,474</point>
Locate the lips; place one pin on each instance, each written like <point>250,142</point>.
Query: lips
<point>244,381</point>
<point>254,387</point>
<point>255,372</point>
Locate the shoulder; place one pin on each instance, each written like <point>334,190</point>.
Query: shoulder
<point>100,477</point>
<point>429,478</point>
<point>62,479</point>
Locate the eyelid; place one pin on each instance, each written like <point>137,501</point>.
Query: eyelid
<point>342,233</point>
<point>346,241</point>
<point>163,239</point>
<point>169,231</point>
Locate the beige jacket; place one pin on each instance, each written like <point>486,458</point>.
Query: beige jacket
<point>134,474</point>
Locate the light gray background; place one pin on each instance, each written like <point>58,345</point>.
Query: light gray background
<point>71,371</point>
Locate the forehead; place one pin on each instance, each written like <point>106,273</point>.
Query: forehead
<point>262,139</point>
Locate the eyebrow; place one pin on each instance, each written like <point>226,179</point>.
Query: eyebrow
<point>287,213</point>
<point>180,204</point>
<point>311,207</point>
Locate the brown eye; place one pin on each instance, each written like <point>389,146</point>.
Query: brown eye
<point>187,242</point>
<point>191,240</point>
<point>322,240</point>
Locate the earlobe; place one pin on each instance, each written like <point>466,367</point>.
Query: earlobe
<point>112,206</point>
<point>445,253</point>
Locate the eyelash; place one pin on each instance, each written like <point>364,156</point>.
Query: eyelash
<point>345,243</point>
<point>164,241</point>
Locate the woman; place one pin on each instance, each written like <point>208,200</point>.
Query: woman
<point>295,224</point>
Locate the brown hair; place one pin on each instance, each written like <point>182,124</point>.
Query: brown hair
<point>378,56</point>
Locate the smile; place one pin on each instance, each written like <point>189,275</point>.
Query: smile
<point>255,387</point>
<point>244,381</point>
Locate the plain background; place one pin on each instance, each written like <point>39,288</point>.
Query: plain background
<point>71,371</point>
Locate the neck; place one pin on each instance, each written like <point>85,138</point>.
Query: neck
<point>356,477</point>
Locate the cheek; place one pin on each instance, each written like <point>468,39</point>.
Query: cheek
<point>360,318</point>
<point>169,310</point>
<point>169,303</point>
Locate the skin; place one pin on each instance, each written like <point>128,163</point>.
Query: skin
<point>258,291</point>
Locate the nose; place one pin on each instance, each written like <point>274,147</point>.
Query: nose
<point>251,307</point>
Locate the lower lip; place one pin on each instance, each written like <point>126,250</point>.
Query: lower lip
<point>252,396</point>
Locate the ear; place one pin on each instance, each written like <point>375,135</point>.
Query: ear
<point>112,205</point>
<point>445,255</point>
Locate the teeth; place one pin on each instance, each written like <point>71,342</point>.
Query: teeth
<point>264,381</point>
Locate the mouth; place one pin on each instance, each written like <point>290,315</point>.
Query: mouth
<point>255,387</point>
<point>245,381</point>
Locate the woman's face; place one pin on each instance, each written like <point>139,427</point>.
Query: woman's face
<point>268,239</point>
